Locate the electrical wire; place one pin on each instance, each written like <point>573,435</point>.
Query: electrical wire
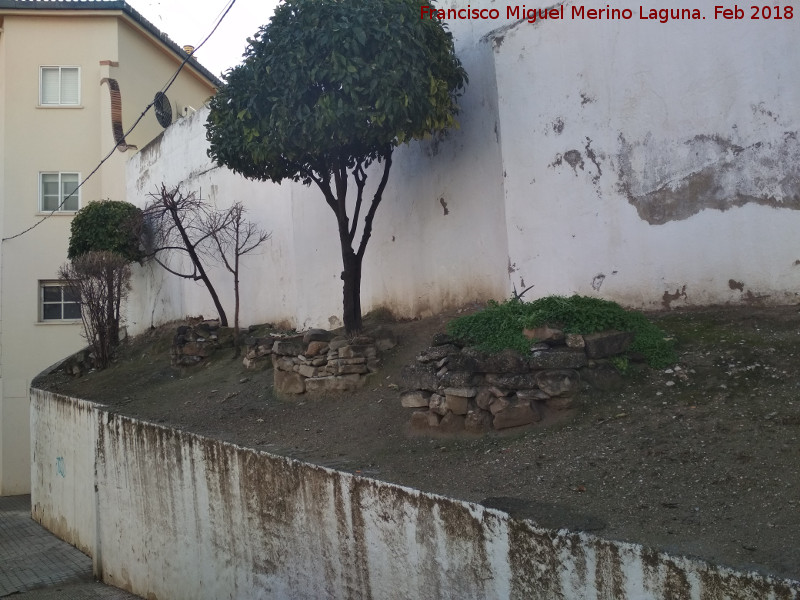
<point>132,127</point>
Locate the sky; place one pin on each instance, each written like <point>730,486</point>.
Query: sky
<point>190,21</point>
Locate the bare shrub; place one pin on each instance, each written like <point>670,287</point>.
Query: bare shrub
<point>234,236</point>
<point>175,224</point>
<point>102,279</point>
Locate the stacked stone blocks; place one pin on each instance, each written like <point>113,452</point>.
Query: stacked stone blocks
<point>196,342</point>
<point>320,361</point>
<point>455,388</point>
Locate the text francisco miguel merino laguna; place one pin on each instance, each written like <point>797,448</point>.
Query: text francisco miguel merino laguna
<point>608,13</point>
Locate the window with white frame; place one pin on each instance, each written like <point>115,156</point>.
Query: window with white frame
<point>59,192</point>
<point>59,86</point>
<point>58,301</point>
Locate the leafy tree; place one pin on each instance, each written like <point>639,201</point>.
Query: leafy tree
<point>325,90</point>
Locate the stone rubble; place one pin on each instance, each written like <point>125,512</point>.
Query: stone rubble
<point>194,343</point>
<point>315,361</point>
<point>452,388</point>
<point>320,361</point>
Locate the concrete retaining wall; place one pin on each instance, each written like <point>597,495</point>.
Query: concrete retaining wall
<point>172,515</point>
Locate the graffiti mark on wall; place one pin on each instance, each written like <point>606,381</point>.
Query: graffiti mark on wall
<point>60,468</point>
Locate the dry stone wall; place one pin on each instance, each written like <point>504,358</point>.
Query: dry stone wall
<point>453,388</point>
<point>315,361</point>
<point>195,342</point>
<point>320,361</point>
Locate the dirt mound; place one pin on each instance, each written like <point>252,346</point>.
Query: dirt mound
<point>700,458</point>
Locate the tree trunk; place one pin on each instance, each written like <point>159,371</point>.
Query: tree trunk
<point>191,251</point>
<point>223,319</point>
<point>236,294</point>
<point>352,291</point>
<point>111,323</point>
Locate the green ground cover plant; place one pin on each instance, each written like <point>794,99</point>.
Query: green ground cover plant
<point>500,325</point>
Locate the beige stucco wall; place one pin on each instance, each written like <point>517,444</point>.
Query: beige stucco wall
<point>144,69</point>
<point>59,139</point>
<point>3,76</point>
<point>67,140</point>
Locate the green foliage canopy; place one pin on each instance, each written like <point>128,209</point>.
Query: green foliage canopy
<point>106,226</point>
<point>500,325</point>
<point>331,84</point>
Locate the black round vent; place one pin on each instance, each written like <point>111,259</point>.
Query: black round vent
<point>163,109</point>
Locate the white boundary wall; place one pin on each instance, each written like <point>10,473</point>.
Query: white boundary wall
<point>168,514</point>
<point>657,164</point>
<point>438,238</point>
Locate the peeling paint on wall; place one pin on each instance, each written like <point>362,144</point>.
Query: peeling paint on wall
<point>735,285</point>
<point>671,181</point>
<point>668,299</point>
<point>574,159</point>
<point>511,266</point>
<point>590,154</point>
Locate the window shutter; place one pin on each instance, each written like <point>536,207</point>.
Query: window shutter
<point>70,86</point>
<point>50,85</point>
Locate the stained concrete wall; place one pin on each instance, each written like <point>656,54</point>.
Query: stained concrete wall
<point>63,450</point>
<point>651,163</point>
<point>181,516</point>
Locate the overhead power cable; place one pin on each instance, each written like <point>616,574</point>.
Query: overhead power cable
<point>132,127</point>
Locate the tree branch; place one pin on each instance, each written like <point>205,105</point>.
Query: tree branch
<point>361,179</point>
<point>324,184</point>
<point>194,276</point>
<point>376,200</point>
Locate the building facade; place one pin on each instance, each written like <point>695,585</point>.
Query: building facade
<point>74,76</point>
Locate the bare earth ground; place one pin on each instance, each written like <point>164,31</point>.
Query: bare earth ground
<point>703,461</point>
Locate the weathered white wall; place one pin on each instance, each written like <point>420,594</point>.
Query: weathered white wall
<point>646,158</point>
<point>438,238</point>
<point>651,163</point>
<point>180,516</point>
<point>63,450</point>
<point>178,158</point>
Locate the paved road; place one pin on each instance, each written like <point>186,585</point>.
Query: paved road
<point>36,565</point>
